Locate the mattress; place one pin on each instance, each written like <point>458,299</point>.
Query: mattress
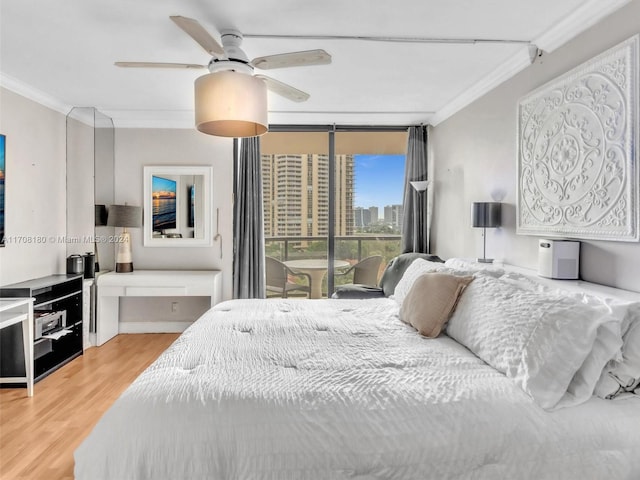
<point>342,389</point>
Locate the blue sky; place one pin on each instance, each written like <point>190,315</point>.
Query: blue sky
<point>163,185</point>
<point>378,180</point>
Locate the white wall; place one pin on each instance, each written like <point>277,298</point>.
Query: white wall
<point>36,197</point>
<point>80,188</point>
<point>34,191</point>
<point>136,148</point>
<point>474,156</point>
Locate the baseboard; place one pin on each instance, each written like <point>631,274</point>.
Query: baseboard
<point>153,327</point>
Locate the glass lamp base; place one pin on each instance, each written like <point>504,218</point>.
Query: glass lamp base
<point>124,267</point>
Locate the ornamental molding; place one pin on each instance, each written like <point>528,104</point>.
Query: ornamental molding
<point>577,151</point>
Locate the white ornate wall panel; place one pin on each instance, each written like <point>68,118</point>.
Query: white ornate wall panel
<point>577,151</point>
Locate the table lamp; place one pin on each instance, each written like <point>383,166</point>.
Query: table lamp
<point>125,216</point>
<point>485,215</point>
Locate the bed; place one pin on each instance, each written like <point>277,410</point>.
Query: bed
<point>341,389</point>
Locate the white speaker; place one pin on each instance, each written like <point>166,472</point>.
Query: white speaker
<point>559,259</point>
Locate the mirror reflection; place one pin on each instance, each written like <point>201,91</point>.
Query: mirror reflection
<point>177,206</point>
<point>174,206</point>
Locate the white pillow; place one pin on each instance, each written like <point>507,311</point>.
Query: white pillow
<point>623,374</point>
<point>471,266</point>
<point>524,281</point>
<point>631,351</point>
<point>541,340</point>
<point>605,347</point>
<point>421,266</point>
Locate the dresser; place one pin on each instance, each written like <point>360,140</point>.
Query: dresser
<point>112,286</point>
<point>56,331</point>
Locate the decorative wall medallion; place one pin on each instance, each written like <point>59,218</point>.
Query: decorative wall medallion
<point>577,151</point>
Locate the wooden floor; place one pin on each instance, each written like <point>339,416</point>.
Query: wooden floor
<point>38,435</point>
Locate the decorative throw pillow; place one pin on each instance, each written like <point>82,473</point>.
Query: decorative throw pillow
<point>417,268</point>
<point>431,300</point>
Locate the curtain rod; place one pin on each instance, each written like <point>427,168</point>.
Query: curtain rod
<point>338,128</point>
<point>453,40</point>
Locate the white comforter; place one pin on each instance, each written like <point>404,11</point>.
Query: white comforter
<point>333,389</point>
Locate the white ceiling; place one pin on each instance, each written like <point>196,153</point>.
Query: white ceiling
<point>61,53</point>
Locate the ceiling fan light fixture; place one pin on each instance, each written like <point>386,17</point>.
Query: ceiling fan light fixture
<point>231,104</point>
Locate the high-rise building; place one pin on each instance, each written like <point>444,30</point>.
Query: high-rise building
<point>374,214</point>
<point>361,217</point>
<point>393,216</point>
<point>296,195</point>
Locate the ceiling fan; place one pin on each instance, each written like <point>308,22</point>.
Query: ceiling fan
<point>230,57</point>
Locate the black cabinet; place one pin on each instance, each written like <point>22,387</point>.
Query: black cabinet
<point>57,308</point>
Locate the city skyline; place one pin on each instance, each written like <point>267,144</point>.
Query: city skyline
<point>379,181</point>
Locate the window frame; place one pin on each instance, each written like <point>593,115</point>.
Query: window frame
<point>331,130</point>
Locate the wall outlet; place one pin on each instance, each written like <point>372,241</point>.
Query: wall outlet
<point>174,307</point>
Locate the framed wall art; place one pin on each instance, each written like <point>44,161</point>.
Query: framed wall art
<point>578,151</point>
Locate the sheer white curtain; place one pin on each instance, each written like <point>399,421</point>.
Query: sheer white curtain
<point>415,222</point>
<point>248,231</point>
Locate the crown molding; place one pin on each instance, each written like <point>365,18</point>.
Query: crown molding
<point>504,72</point>
<point>151,118</point>
<point>38,96</point>
<point>581,19</point>
<point>578,21</point>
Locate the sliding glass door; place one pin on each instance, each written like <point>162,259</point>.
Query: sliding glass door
<point>369,228</point>
<point>327,194</point>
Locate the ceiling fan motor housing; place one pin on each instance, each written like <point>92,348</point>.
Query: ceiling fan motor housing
<point>231,41</point>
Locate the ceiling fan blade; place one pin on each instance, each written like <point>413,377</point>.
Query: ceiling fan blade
<point>285,90</point>
<point>158,65</point>
<point>293,59</point>
<point>199,34</point>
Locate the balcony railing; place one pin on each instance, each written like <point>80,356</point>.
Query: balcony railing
<point>352,248</point>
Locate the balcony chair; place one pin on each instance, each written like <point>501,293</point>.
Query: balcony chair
<point>390,277</point>
<point>365,272</point>
<point>278,275</point>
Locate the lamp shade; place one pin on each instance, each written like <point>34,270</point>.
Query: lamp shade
<point>486,214</point>
<point>124,216</point>
<point>420,185</point>
<point>231,104</point>
<point>100,215</point>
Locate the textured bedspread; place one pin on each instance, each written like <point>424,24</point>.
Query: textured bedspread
<point>335,389</point>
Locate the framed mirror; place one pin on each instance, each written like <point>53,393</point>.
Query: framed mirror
<point>177,206</point>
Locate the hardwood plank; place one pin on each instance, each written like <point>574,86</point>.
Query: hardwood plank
<point>38,435</point>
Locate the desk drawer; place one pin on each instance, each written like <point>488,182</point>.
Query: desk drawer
<point>109,291</point>
<point>155,291</point>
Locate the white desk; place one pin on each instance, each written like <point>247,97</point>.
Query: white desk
<point>16,310</point>
<point>149,283</point>
<point>316,268</point>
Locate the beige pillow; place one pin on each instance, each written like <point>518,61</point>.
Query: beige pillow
<point>431,301</point>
